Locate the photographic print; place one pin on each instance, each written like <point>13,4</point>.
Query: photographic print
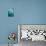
<point>31,33</point>
<point>11,12</point>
